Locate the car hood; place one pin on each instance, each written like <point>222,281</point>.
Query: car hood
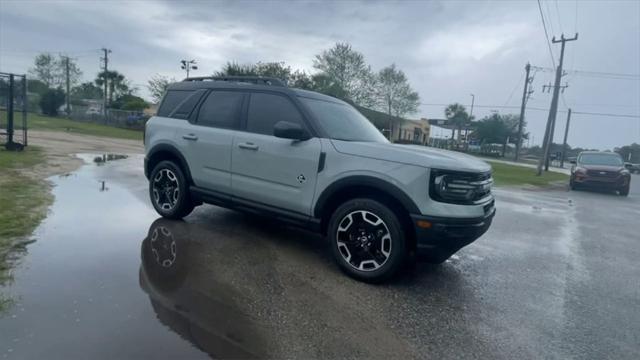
<point>414,155</point>
<point>601,167</point>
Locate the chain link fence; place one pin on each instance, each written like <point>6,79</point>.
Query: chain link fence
<point>13,110</point>
<point>119,118</point>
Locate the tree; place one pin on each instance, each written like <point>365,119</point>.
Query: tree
<point>117,84</point>
<point>45,69</point>
<point>36,86</point>
<point>348,70</point>
<point>51,101</point>
<point>394,93</point>
<point>52,71</point>
<point>498,129</point>
<point>129,102</point>
<point>157,86</point>
<point>458,117</point>
<point>630,153</point>
<point>87,90</point>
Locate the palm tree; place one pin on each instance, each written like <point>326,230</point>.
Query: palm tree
<point>458,117</point>
<point>116,83</point>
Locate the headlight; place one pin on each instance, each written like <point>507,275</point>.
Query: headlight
<point>459,187</point>
<point>580,170</point>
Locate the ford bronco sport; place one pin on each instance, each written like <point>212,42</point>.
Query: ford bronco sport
<point>255,145</point>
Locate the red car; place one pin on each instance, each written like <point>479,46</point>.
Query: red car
<point>600,170</point>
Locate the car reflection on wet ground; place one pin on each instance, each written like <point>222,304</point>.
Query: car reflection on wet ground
<point>107,279</point>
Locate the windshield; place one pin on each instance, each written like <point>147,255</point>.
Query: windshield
<point>343,122</point>
<point>600,159</point>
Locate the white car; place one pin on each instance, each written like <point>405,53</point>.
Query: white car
<point>314,161</point>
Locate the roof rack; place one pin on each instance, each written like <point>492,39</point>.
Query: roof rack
<point>259,80</point>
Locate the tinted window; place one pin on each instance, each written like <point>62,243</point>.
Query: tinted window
<point>221,109</point>
<point>265,110</point>
<point>601,159</point>
<point>172,99</point>
<point>186,107</point>
<point>342,121</point>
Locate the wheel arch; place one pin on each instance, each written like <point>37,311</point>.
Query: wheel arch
<point>370,187</point>
<point>163,152</point>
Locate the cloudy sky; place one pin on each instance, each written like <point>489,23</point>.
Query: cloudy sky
<point>448,49</point>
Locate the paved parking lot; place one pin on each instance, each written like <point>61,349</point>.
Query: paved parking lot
<point>555,277</point>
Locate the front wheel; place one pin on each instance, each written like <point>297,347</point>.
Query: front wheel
<point>625,190</point>
<point>169,191</point>
<point>367,240</point>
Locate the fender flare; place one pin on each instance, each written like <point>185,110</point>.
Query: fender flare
<point>174,152</point>
<point>364,180</point>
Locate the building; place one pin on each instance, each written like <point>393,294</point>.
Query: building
<point>411,131</point>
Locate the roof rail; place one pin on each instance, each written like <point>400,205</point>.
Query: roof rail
<point>259,80</point>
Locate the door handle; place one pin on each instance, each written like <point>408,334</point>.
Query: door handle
<point>190,137</point>
<point>248,146</point>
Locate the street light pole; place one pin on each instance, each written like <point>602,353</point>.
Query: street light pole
<point>466,129</point>
<point>188,65</point>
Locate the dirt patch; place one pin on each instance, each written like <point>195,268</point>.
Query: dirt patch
<point>60,149</point>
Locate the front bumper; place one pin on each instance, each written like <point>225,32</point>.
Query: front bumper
<point>598,182</point>
<point>438,238</point>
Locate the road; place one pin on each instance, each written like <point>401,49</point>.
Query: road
<point>555,277</point>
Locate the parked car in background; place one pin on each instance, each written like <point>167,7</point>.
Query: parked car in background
<point>600,170</point>
<point>633,168</point>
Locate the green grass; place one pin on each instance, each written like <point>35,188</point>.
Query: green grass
<point>509,175</point>
<point>23,204</point>
<point>42,122</point>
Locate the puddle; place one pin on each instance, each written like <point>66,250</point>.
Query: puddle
<point>107,278</point>
<point>80,291</point>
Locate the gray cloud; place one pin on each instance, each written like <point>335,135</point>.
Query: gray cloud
<point>448,49</point>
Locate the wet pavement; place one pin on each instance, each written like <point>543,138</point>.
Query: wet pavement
<point>555,277</point>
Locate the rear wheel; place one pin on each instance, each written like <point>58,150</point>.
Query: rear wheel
<point>367,240</point>
<point>169,191</point>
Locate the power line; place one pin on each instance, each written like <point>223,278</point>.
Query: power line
<point>514,89</point>
<point>558,14</point>
<point>546,34</point>
<point>540,109</point>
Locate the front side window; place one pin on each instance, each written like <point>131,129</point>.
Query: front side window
<point>221,109</point>
<point>342,121</point>
<point>265,110</point>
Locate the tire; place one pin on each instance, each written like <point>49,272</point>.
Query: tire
<point>165,179</point>
<point>367,240</point>
<point>624,191</point>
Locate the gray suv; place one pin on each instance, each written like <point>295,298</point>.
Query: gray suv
<point>255,145</point>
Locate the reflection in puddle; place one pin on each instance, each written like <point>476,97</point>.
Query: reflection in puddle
<point>100,160</point>
<point>212,321</point>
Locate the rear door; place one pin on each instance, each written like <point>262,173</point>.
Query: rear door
<point>208,137</point>
<point>273,171</point>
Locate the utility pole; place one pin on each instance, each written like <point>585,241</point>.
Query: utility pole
<point>466,130</point>
<point>106,78</point>
<point>66,71</point>
<point>188,65</point>
<point>548,135</point>
<point>564,143</point>
<point>525,96</point>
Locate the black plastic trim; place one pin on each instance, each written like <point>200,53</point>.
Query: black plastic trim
<point>321,161</point>
<point>246,205</point>
<point>363,180</point>
<point>171,149</point>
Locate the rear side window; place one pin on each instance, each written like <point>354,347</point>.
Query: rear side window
<point>265,110</point>
<point>172,99</point>
<point>221,109</point>
<point>186,107</point>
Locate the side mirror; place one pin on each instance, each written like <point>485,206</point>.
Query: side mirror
<point>573,162</point>
<point>289,130</point>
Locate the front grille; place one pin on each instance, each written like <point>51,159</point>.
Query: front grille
<point>602,173</point>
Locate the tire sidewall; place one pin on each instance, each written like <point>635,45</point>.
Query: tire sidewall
<point>398,242</point>
<point>184,205</point>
